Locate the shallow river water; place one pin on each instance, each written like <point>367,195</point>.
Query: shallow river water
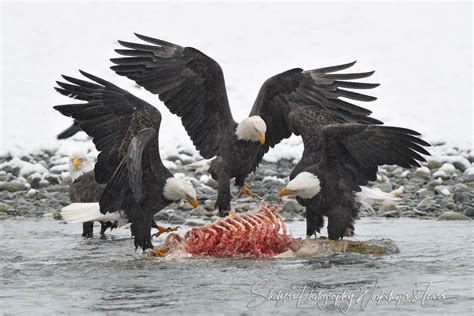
<point>47,268</point>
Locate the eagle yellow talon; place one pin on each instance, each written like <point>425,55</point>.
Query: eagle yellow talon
<point>162,230</point>
<point>245,190</point>
<point>159,252</point>
<point>232,213</point>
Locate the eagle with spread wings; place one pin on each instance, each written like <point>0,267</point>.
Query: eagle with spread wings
<point>192,86</point>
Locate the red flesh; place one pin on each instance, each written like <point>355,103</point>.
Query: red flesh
<point>251,234</point>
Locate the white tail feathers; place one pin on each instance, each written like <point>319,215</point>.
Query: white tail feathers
<point>199,166</point>
<point>367,196</point>
<point>373,194</point>
<point>86,212</point>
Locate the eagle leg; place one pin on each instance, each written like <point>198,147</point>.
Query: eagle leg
<point>87,229</point>
<point>245,190</point>
<point>223,195</point>
<point>340,220</point>
<point>103,228</point>
<point>141,229</point>
<point>314,223</point>
<point>162,230</point>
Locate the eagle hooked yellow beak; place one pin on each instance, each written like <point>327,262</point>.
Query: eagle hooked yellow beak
<point>193,201</point>
<point>261,138</point>
<point>76,162</point>
<point>285,192</point>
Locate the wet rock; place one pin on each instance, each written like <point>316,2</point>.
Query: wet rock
<point>422,193</point>
<point>4,207</point>
<point>13,186</point>
<point>210,206</point>
<point>388,205</point>
<point>423,172</point>
<point>43,184</point>
<point>448,203</point>
<point>425,203</point>
<point>271,197</point>
<point>440,174</point>
<point>199,211</point>
<point>468,210</point>
<point>442,189</point>
<point>397,171</point>
<point>431,185</point>
<point>177,220</point>
<point>292,207</point>
<point>462,197</point>
<point>398,192</point>
<point>383,186</point>
<point>448,168</point>
<point>53,179</point>
<point>391,214</point>
<point>453,216</point>
<point>434,164</point>
<point>193,223</point>
<point>186,206</point>
<point>31,193</point>
<point>461,163</point>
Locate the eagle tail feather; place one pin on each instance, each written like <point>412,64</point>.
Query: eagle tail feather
<point>372,194</point>
<point>85,212</point>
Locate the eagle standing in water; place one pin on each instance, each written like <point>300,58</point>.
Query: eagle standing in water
<point>192,86</point>
<point>340,157</point>
<point>125,131</point>
<point>84,189</point>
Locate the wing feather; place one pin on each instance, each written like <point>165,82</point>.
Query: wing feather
<point>190,84</point>
<point>320,89</point>
<point>111,116</point>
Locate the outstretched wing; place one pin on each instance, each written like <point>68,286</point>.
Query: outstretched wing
<point>190,84</point>
<point>110,115</point>
<point>137,167</point>
<point>70,131</point>
<point>356,150</point>
<point>320,89</point>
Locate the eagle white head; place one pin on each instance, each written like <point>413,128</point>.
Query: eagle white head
<point>305,185</point>
<point>79,164</point>
<point>178,189</point>
<point>253,129</point>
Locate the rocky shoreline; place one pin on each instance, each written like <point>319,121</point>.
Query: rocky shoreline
<point>37,185</point>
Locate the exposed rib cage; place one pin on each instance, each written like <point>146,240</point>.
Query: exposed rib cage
<point>251,234</point>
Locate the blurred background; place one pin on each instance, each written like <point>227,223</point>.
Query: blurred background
<point>422,54</point>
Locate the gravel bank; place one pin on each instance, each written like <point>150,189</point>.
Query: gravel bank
<point>37,185</point>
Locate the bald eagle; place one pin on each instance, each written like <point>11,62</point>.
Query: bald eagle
<point>192,86</point>
<point>338,159</point>
<point>125,129</point>
<point>84,189</point>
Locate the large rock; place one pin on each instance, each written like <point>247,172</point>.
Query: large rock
<point>383,186</point>
<point>4,207</point>
<point>426,203</point>
<point>292,207</point>
<point>469,211</point>
<point>453,216</point>
<point>423,172</point>
<point>12,186</point>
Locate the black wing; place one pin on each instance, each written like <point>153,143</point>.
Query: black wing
<point>190,84</point>
<point>319,89</point>
<point>138,167</point>
<point>111,116</point>
<point>70,131</point>
<point>359,149</point>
